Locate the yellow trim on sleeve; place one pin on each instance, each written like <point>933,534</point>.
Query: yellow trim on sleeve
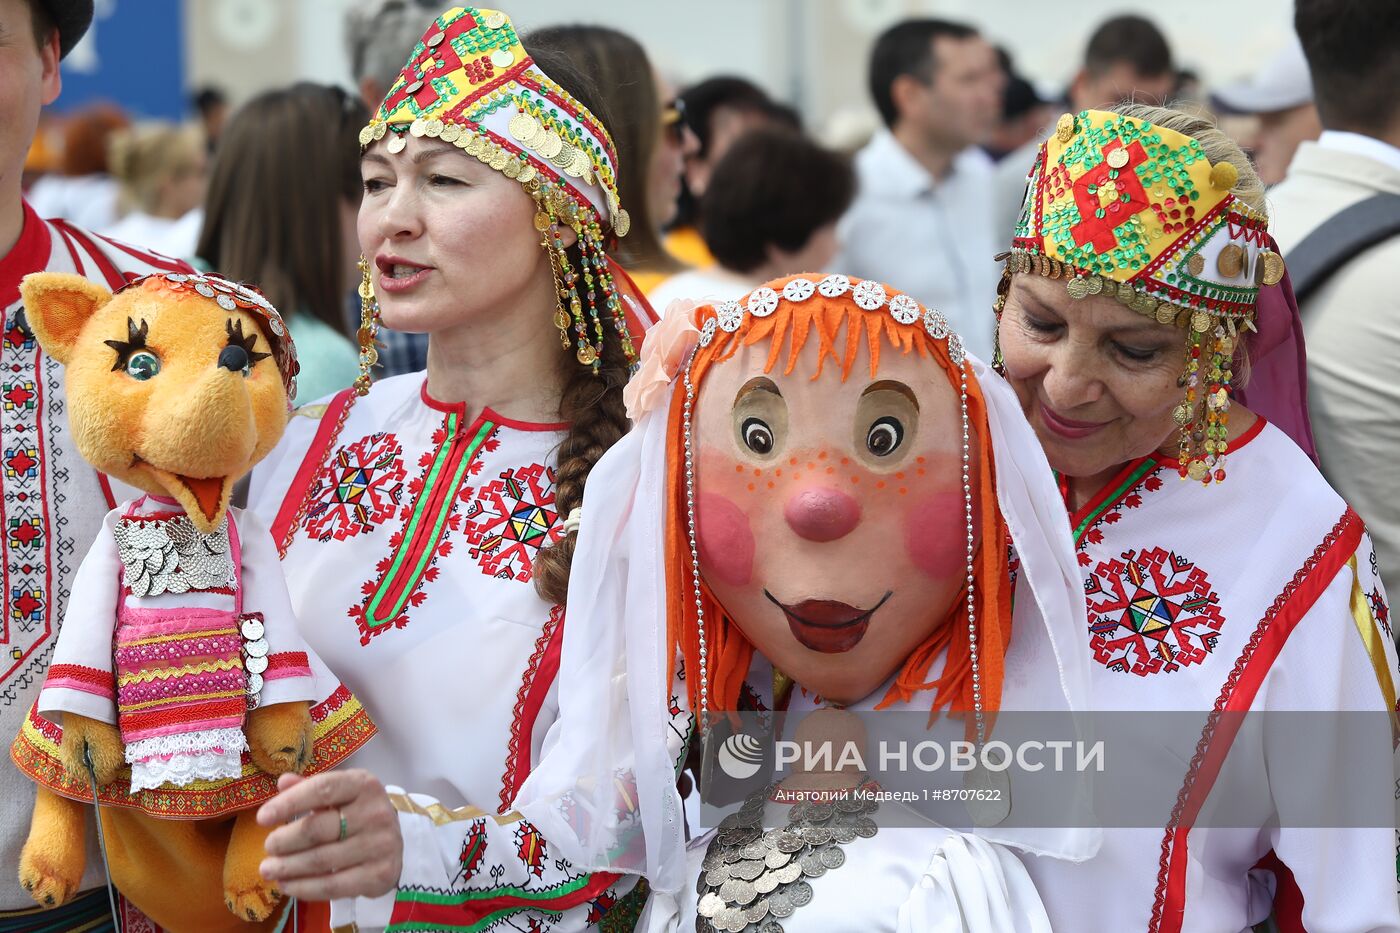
<point>441,815</point>
<point>1373,639</point>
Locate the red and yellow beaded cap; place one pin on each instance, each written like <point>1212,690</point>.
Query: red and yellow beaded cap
<point>1122,207</point>
<point>470,82</point>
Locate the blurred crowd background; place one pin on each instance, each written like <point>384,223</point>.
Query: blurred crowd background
<point>758,137</point>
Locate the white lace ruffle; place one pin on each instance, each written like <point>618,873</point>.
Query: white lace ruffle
<point>207,755</point>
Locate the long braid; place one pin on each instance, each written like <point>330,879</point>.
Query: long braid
<point>593,406</point>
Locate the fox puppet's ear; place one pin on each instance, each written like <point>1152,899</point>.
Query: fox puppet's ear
<point>57,305</point>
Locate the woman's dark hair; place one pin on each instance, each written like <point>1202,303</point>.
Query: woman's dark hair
<point>773,188</point>
<point>286,162</point>
<point>591,404</point>
<point>619,67</point>
<point>727,92</point>
<point>703,102</point>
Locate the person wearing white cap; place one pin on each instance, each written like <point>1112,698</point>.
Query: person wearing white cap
<point>1280,97</point>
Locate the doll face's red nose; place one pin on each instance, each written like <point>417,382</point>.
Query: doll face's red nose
<point>822,514</point>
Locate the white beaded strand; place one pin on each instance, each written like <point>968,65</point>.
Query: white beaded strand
<point>971,563</point>
<point>695,554</point>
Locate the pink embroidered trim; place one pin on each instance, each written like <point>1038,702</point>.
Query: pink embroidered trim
<point>183,684</point>
<point>151,622</point>
<point>287,664</point>
<point>84,679</point>
<point>133,657</point>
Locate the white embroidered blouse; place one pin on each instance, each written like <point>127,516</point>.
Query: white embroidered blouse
<point>410,536</point>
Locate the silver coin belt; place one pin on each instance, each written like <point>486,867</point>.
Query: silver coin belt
<point>752,879</point>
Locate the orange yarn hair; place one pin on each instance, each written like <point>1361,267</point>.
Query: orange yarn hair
<point>728,652</point>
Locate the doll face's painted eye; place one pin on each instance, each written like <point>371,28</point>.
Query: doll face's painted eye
<point>758,436</point>
<point>760,418</point>
<point>884,436</point>
<point>142,365</point>
<point>887,422</point>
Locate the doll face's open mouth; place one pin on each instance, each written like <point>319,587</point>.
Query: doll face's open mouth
<point>206,494</point>
<point>827,625</point>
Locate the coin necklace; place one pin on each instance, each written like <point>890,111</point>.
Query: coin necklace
<point>752,879</point>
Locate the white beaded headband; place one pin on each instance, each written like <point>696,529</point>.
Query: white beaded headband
<point>869,296</point>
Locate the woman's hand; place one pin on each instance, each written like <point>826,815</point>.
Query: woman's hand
<point>337,836</point>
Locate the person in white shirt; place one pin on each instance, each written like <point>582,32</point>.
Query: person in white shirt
<point>162,169</point>
<point>1126,59</point>
<point>922,219</point>
<point>770,210</point>
<point>1351,320</point>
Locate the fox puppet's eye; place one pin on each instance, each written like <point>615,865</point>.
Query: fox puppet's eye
<point>134,345</point>
<point>142,365</point>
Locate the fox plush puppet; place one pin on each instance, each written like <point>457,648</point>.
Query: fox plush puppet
<point>179,688</point>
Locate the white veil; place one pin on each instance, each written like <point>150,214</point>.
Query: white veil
<point>604,791</point>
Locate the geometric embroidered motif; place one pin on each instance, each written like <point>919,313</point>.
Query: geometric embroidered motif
<point>1151,612</point>
<point>598,907</point>
<point>510,519</point>
<point>359,488</point>
<point>530,848</point>
<point>473,849</point>
<point>430,516</point>
<point>34,571</point>
<point>1379,609</point>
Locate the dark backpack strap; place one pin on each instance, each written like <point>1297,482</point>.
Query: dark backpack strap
<point>1340,239</point>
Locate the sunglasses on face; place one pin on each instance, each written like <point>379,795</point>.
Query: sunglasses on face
<point>673,121</point>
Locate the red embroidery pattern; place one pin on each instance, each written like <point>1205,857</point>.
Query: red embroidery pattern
<point>510,519</point>
<point>1178,823</point>
<point>1112,514</point>
<point>358,488</point>
<point>1379,609</point>
<point>600,905</point>
<point>91,676</point>
<point>509,783</point>
<point>1155,612</point>
<point>473,850</point>
<point>531,848</point>
<point>418,489</point>
<point>133,920</point>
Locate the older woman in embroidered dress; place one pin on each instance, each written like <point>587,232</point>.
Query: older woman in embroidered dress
<point>426,521</point>
<point>1142,279</point>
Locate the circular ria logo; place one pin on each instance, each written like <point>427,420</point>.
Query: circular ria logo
<point>740,756</point>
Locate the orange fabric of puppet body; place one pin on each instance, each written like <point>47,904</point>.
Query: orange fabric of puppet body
<point>178,669</point>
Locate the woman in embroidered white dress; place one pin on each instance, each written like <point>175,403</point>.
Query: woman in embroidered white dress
<point>1220,589</point>
<point>414,515</point>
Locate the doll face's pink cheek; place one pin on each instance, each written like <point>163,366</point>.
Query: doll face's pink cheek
<point>935,535</point>
<point>726,540</point>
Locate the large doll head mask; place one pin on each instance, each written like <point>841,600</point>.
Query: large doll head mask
<point>810,475</point>
<point>836,475</point>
